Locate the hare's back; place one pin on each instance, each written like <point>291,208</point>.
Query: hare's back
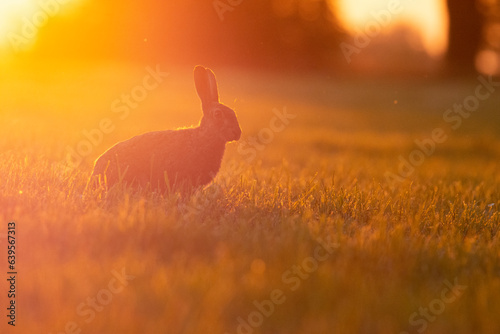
<point>139,149</point>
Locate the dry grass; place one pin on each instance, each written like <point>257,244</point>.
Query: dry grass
<point>199,263</point>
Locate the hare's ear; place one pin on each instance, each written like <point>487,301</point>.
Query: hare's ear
<point>206,85</point>
<point>214,91</point>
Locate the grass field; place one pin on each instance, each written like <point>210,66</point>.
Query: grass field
<point>303,231</point>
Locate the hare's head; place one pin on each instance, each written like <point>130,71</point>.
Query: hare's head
<point>217,118</point>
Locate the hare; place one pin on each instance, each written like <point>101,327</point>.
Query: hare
<point>173,159</point>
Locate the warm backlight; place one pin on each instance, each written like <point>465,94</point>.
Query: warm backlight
<point>428,17</point>
<point>21,21</point>
<point>11,16</point>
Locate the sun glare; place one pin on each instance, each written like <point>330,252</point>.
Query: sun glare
<point>11,13</point>
<point>21,20</point>
<point>428,17</point>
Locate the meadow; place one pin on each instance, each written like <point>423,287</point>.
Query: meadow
<point>302,231</point>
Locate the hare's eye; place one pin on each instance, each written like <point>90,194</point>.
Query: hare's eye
<point>217,113</point>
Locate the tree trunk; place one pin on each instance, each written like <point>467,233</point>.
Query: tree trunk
<point>464,36</point>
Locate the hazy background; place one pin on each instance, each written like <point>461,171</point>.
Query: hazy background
<point>425,37</point>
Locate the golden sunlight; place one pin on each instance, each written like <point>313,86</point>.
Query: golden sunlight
<point>11,13</point>
<point>20,20</point>
<point>428,17</point>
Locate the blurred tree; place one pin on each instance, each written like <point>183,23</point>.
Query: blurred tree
<point>464,36</point>
<point>490,62</point>
<point>265,33</point>
<point>289,33</point>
